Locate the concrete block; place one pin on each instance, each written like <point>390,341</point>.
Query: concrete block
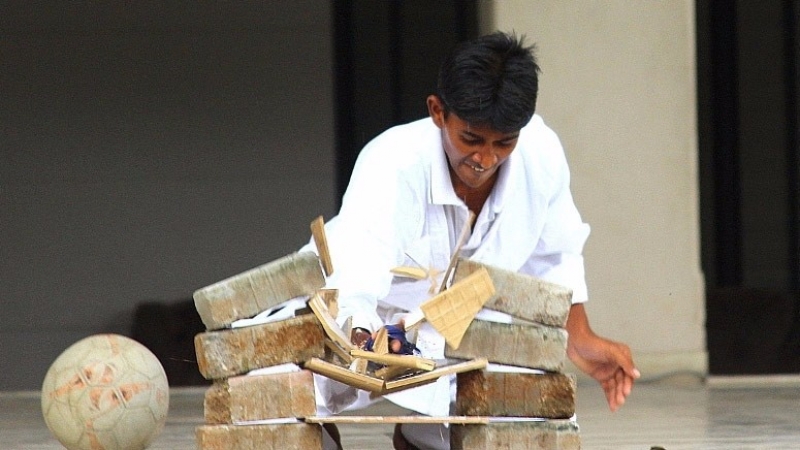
<point>505,394</point>
<point>533,346</point>
<point>245,295</point>
<point>288,436</point>
<point>260,397</point>
<point>521,295</point>
<point>528,435</point>
<point>227,353</point>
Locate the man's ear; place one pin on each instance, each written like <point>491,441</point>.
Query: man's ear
<point>436,110</point>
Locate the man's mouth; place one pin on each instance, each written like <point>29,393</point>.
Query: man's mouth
<point>478,169</point>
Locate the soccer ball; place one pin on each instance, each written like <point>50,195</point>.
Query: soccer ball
<point>105,392</point>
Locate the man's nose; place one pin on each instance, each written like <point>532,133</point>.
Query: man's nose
<point>485,157</point>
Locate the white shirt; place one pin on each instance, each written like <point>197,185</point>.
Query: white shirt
<point>400,209</point>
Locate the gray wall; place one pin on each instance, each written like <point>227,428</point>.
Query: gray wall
<point>618,86</point>
<point>147,151</point>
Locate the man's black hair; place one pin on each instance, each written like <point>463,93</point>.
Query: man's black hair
<point>491,81</point>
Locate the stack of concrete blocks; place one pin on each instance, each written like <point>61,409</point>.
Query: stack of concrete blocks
<point>259,411</point>
<point>266,411</point>
<point>527,409</point>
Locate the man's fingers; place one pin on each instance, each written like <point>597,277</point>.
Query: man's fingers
<point>610,391</point>
<point>620,387</point>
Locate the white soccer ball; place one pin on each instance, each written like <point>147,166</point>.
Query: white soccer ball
<point>105,392</point>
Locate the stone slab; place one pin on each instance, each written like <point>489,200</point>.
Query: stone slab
<point>260,397</point>
<point>528,435</point>
<point>533,346</point>
<point>289,436</point>
<point>507,394</point>
<point>249,293</point>
<point>227,353</point>
<point>521,295</point>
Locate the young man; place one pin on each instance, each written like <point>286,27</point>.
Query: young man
<point>482,150</point>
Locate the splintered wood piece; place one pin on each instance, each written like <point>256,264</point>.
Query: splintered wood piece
<point>522,295</point>
<point>331,299</point>
<point>429,377</point>
<point>533,346</point>
<point>226,353</point>
<point>284,436</point>
<point>452,311</point>
<point>454,258</point>
<point>338,351</point>
<point>329,323</point>
<point>416,273</point>
<point>249,293</point>
<point>409,361</point>
<point>396,419</point>
<point>359,366</point>
<point>530,435</point>
<point>512,394</point>
<point>391,372</point>
<point>413,319</point>
<point>260,397</point>
<point>318,233</point>
<point>378,386</point>
<point>343,375</point>
<point>380,344</point>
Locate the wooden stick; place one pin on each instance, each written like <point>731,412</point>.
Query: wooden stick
<point>380,345</point>
<point>329,324</point>
<point>318,233</point>
<point>396,419</point>
<point>413,362</point>
<point>459,244</point>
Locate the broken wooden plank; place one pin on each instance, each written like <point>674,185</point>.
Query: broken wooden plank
<point>522,295</point>
<point>329,324</point>
<point>380,344</point>
<point>443,369</point>
<point>318,234</point>
<point>331,299</point>
<point>391,372</point>
<point>344,375</point>
<point>527,435</point>
<point>337,353</point>
<point>462,238</point>
<point>247,294</point>
<point>259,397</point>
<point>365,420</point>
<point>227,353</point>
<point>283,436</point>
<point>533,346</point>
<point>509,394</point>
<point>409,361</point>
<point>452,311</point>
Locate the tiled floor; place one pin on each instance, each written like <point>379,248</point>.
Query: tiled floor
<point>673,414</point>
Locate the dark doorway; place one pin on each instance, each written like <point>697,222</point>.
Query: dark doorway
<point>748,56</point>
<point>387,58</point>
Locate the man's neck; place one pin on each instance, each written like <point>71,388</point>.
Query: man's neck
<point>474,198</point>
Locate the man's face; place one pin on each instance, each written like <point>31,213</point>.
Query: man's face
<point>474,152</point>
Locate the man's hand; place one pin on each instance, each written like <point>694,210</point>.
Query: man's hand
<point>608,362</point>
<point>359,337</point>
<point>398,344</point>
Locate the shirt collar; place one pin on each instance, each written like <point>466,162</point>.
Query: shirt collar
<point>442,192</point>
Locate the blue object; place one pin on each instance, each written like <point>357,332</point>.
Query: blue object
<point>398,334</point>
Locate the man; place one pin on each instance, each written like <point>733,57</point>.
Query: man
<point>482,150</point>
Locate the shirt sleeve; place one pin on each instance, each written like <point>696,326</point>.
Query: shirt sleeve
<point>379,214</point>
<point>558,255</point>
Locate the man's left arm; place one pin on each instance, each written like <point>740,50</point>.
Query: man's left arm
<point>607,361</point>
